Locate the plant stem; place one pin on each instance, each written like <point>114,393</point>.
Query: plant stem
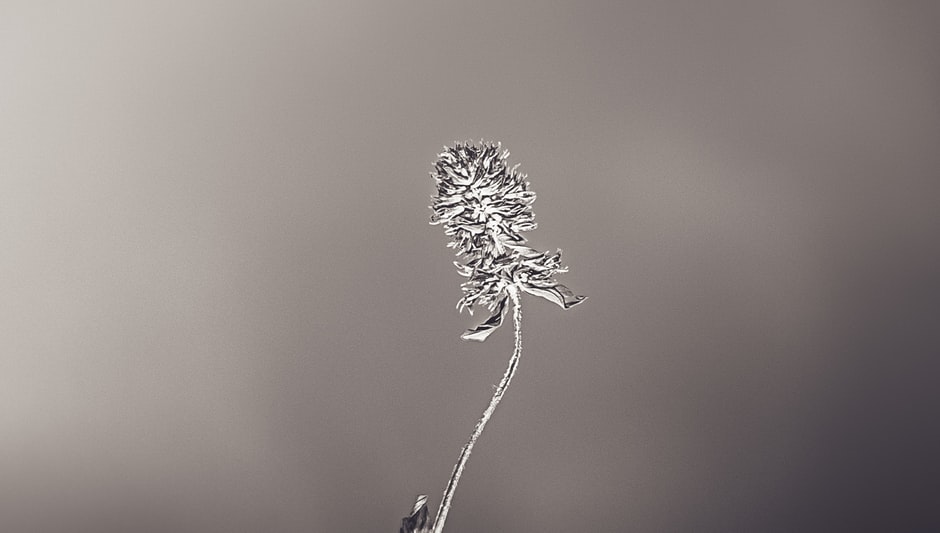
<point>494,401</point>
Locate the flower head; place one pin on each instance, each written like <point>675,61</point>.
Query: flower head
<point>481,202</point>
<point>485,206</point>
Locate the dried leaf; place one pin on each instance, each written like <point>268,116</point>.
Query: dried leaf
<point>558,294</point>
<point>481,332</point>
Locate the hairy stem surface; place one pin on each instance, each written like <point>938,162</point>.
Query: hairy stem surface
<point>494,401</point>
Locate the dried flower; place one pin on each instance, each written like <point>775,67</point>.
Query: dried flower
<point>485,206</point>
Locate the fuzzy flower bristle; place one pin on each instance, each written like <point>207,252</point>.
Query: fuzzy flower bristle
<point>481,202</point>
<point>485,205</point>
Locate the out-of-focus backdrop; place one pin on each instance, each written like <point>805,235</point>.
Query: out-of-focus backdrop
<point>223,308</point>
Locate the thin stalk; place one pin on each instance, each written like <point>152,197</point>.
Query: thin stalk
<point>494,401</point>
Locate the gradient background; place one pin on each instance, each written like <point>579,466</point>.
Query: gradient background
<point>223,308</point>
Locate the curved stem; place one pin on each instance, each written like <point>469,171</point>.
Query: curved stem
<point>494,401</point>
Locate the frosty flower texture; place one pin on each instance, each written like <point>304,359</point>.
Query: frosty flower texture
<point>485,206</point>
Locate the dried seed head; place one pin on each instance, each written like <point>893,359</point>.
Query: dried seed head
<point>482,203</point>
<point>485,206</point>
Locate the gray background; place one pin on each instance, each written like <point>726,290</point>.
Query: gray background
<point>223,308</point>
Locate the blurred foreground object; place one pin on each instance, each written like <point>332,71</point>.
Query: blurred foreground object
<point>417,521</point>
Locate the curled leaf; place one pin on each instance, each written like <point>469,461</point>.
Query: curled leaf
<point>558,294</point>
<point>481,332</point>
